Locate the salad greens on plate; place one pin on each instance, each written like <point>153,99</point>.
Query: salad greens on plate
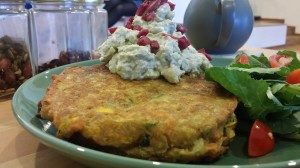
<point>262,85</point>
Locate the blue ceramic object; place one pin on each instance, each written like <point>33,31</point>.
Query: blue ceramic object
<point>219,26</point>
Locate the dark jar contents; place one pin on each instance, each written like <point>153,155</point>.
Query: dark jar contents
<point>65,57</point>
<point>15,52</point>
<point>15,65</point>
<point>63,32</point>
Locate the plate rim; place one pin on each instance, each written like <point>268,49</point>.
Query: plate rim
<point>59,144</point>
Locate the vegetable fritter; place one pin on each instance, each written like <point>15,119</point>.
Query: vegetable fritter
<point>190,121</point>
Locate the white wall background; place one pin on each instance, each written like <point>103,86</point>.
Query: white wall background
<point>180,8</point>
<point>281,9</point>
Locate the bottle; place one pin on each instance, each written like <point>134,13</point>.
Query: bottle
<point>15,55</point>
<point>61,33</point>
<point>99,22</point>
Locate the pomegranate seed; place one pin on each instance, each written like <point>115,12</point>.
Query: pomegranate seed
<point>129,26</point>
<point>154,46</point>
<point>112,30</point>
<point>149,16</point>
<point>183,43</point>
<point>130,19</point>
<point>139,28</point>
<point>143,32</point>
<point>143,41</point>
<point>172,6</point>
<point>173,37</point>
<point>164,34</point>
<point>163,2</point>
<point>180,28</point>
<point>202,50</point>
<point>141,10</point>
<point>153,5</point>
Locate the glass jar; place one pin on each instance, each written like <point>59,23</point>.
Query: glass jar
<point>61,33</point>
<point>15,55</point>
<point>99,22</point>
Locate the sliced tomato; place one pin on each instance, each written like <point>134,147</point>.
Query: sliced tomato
<point>280,60</point>
<point>293,77</point>
<point>243,59</point>
<point>261,140</point>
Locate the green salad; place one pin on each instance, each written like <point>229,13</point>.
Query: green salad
<point>268,89</point>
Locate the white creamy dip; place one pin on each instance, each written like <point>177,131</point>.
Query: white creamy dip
<point>135,62</point>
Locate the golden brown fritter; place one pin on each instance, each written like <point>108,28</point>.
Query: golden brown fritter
<point>149,119</point>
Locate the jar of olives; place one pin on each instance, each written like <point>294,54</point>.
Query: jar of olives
<point>15,55</point>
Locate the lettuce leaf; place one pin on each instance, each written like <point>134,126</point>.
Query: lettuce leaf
<point>248,90</point>
<point>289,95</point>
<point>263,91</point>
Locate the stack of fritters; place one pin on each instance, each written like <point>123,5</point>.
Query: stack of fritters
<point>149,119</point>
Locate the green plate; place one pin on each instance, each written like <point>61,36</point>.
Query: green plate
<point>24,105</point>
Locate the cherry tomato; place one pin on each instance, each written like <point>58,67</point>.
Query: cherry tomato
<point>243,59</point>
<point>261,140</point>
<point>279,60</point>
<point>293,77</point>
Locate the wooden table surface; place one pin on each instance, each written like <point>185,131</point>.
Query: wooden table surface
<point>19,149</point>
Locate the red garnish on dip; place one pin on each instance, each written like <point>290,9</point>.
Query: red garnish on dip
<point>153,5</point>
<point>149,16</point>
<point>173,37</point>
<point>202,50</point>
<point>143,41</point>
<point>180,28</point>
<point>154,45</point>
<point>143,32</point>
<point>140,11</point>
<point>147,8</point>
<point>129,26</point>
<point>163,2</point>
<point>183,43</point>
<point>172,6</point>
<point>130,19</point>
<point>112,30</point>
<point>139,28</point>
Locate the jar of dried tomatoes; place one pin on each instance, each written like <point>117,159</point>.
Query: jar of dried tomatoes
<point>15,55</point>
<point>63,32</point>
